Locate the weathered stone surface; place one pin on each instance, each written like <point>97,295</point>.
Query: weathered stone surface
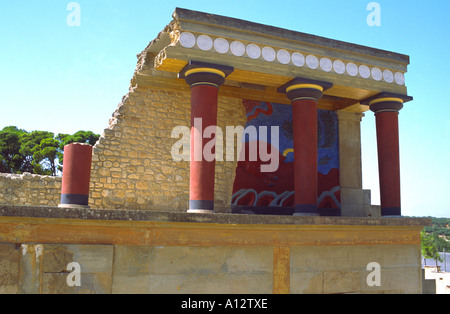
<point>208,269</point>
<point>343,269</point>
<point>341,282</point>
<point>91,283</point>
<point>223,218</point>
<point>9,268</point>
<point>131,260</point>
<point>30,273</point>
<point>95,265</point>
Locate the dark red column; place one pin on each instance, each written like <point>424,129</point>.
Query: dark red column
<point>304,95</point>
<point>205,80</point>
<point>76,175</point>
<point>386,115</point>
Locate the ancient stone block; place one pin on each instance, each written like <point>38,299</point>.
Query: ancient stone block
<point>9,268</point>
<point>30,273</point>
<point>95,263</point>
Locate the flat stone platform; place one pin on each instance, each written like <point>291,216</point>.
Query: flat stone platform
<point>213,218</point>
<point>139,251</point>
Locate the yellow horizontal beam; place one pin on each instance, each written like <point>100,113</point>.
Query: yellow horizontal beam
<point>77,231</point>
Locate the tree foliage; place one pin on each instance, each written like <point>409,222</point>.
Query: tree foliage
<point>435,238</point>
<point>440,226</point>
<point>87,137</point>
<point>38,152</point>
<point>10,157</point>
<point>429,246</point>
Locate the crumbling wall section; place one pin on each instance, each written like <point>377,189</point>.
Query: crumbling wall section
<point>29,189</point>
<point>132,165</point>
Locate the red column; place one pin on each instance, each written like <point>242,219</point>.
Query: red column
<point>304,95</point>
<point>76,175</point>
<point>205,80</point>
<point>386,115</point>
<point>202,172</point>
<point>304,120</point>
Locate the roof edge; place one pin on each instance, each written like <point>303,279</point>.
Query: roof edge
<point>243,25</point>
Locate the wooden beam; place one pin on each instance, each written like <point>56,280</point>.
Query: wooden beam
<point>240,91</point>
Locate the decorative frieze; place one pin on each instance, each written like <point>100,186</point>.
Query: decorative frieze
<point>297,58</point>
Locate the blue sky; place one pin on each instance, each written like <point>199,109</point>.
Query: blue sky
<point>64,79</point>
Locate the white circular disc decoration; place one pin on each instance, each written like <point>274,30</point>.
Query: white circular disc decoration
<point>364,71</point>
<point>253,51</point>
<point>326,64</point>
<point>399,78</point>
<point>204,42</point>
<point>187,40</point>
<point>298,59</point>
<point>312,62</point>
<point>237,48</point>
<point>352,69</point>
<point>221,45</point>
<point>269,54</point>
<point>388,76</point>
<point>283,56</point>
<point>377,75</point>
<point>339,67</point>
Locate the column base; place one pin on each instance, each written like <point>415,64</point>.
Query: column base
<point>306,210</point>
<point>200,211</point>
<point>391,211</point>
<point>74,199</point>
<point>197,205</point>
<point>306,214</point>
<point>72,206</point>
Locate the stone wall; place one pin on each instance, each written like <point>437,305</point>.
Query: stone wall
<point>117,269</point>
<point>126,251</point>
<point>30,189</point>
<point>132,165</point>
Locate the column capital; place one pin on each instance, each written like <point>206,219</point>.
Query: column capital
<point>201,73</point>
<point>386,102</point>
<point>304,89</point>
<point>349,116</point>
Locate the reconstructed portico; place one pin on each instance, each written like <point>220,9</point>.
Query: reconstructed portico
<point>225,57</point>
<point>164,217</point>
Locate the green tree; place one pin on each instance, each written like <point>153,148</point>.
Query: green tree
<point>38,152</point>
<point>11,160</point>
<point>43,149</point>
<point>87,137</point>
<point>46,156</point>
<point>442,244</point>
<point>430,247</point>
